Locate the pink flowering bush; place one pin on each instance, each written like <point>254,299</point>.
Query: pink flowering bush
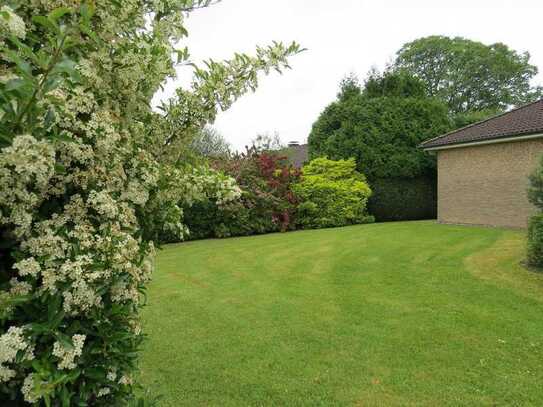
<point>89,176</point>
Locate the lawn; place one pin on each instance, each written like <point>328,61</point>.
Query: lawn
<point>410,313</point>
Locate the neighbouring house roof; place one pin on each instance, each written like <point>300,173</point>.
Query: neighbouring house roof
<point>520,122</point>
<point>297,155</point>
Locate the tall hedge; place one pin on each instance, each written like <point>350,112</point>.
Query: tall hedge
<point>396,199</point>
<point>382,134</point>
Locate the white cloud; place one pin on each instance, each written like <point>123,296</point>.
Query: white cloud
<point>341,36</point>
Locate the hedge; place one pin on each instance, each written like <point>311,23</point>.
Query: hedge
<point>395,199</point>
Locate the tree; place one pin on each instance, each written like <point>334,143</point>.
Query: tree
<point>397,84</point>
<point>468,75</point>
<point>466,118</point>
<point>89,176</point>
<point>381,129</point>
<point>210,143</point>
<point>267,142</point>
<point>349,87</point>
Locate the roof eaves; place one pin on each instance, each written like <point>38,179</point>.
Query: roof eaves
<point>500,139</point>
<point>423,145</point>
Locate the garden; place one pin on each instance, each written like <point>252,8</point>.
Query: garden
<point>143,261</point>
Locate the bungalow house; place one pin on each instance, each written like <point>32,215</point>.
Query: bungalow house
<point>483,168</point>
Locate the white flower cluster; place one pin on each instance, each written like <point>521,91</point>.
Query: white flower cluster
<point>28,267</point>
<point>205,183</point>
<point>12,342</point>
<point>104,391</point>
<point>228,191</point>
<point>67,355</point>
<point>26,168</point>
<point>27,389</point>
<point>11,23</point>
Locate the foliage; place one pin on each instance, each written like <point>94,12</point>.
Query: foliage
<point>267,142</point>
<point>331,193</point>
<point>88,174</point>
<point>535,189</point>
<point>210,143</point>
<point>381,133</point>
<point>395,199</point>
<point>203,187</point>
<point>349,87</point>
<point>465,119</point>
<point>266,204</point>
<point>381,127</point>
<point>468,75</point>
<point>395,84</point>
<point>535,241</point>
<point>535,228</point>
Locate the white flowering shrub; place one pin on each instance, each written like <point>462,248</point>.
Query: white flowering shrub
<point>187,186</point>
<point>89,176</point>
<point>207,184</point>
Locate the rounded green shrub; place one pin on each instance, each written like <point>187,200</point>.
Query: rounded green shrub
<point>331,193</point>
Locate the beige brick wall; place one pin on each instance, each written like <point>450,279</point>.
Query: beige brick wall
<point>486,185</point>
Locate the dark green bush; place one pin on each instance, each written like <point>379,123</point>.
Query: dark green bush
<point>381,133</point>
<point>535,228</point>
<point>535,189</point>
<point>241,218</point>
<point>396,199</point>
<point>535,241</point>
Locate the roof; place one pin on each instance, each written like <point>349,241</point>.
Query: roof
<point>297,155</point>
<point>522,121</point>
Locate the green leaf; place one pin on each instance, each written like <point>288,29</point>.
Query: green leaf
<point>24,67</point>
<point>16,84</point>
<point>67,66</point>
<point>65,340</point>
<point>87,11</point>
<point>85,29</point>
<point>48,122</point>
<point>46,23</point>
<point>51,84</point>
<point>58,13</point>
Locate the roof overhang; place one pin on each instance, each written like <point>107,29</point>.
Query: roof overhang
<point>484,142</point>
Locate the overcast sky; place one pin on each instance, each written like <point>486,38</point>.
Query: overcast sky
<point>341,36</point>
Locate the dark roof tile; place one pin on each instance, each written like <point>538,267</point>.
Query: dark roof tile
<point>522,121</point>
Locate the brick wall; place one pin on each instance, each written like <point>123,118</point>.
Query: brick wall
<point>486,185</point>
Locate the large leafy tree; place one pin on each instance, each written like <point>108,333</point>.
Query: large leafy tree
<point>210,143</point>
<point>469,75</point>
<point>380,126</point>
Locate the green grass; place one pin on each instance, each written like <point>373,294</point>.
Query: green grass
<point>411,313</point>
